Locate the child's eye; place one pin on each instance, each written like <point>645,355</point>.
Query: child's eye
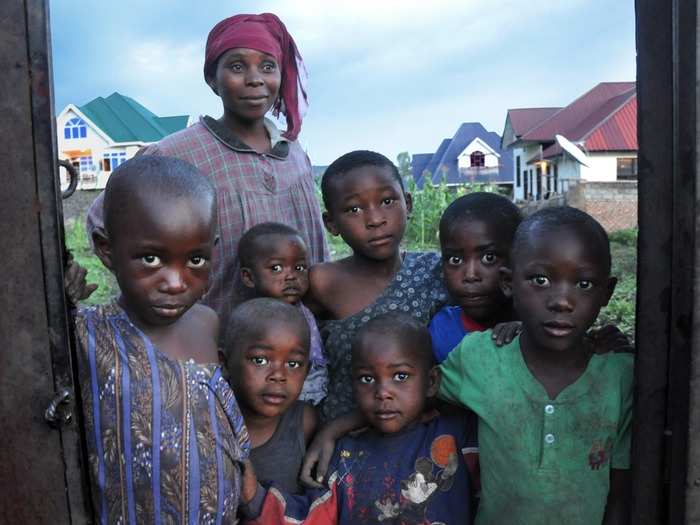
<point>367,380</point>
<point>540,280</point>
<point>585,284</point>
<point>269,66</point>
<point>276,268</point>
<point>401,377</point>
<point>388,201</point>
<point>489,258</point>
<point>237,67</point>
<point>454,260</point>
<point>259,360</point>
<point>150,260</point>
<point>295,364</point>
<point>197,262</point>
<point>353,209</point>
<point>300,267</point>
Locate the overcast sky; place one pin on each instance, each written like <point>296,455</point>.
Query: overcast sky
<point>388,75</point>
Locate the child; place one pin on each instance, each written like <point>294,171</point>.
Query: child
<point>267,356</point>
<point>274,263</point>
<point>476,232</point>
<point>367,206</point>
<point>401,469</point>
<point>554,417</point>
<point>165,436</point>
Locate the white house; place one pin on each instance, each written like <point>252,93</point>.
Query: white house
<point>103,133</point>
<point>602,123</point>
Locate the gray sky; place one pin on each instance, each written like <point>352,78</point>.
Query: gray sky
<point>388,75</point>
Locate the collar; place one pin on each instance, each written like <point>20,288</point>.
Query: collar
<point>280,145</point>
<point>470,325</point>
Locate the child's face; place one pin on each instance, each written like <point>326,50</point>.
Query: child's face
<point>391,384</point>
<point>369,211</point>
<point>472,256</point>
<point>160,257</point>
<point>248,82</point>
<point>559,284</point>
<point>269,370</point>
<point>280,269</point>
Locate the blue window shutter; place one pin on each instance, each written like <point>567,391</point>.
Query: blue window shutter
<point>66,132</point>
<point>83,132</point>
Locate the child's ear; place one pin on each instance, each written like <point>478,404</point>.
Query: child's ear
<point>247,277</point>
<point>409,203</point>
<point>610,289</point>
<point>506,281</point>
<point>103,248</point>
<point>433,381</point>
<point>329,223</point>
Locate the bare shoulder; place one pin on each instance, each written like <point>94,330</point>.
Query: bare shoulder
<point>322,279</point>
<point>310,422</point>
<point>200,325</point>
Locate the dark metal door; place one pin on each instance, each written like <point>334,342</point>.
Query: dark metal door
<point>40,474</point>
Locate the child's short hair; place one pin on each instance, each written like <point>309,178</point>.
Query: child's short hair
<point>147,174</point>
<point>491,208</point>
<point>407,329</point>
<point>247,245</point>
<point>563,217</point>
<point>249,319</point>
<point>350,161</point>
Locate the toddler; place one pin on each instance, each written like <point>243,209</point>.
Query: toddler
<point>267,357</point>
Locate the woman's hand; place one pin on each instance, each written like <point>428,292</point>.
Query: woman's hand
<point>609,338</point>
<point>504,333</point>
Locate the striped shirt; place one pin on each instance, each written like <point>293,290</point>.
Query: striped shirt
<point>251,188</point>
<point>165,438</point>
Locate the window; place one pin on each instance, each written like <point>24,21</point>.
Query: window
<point>86,164</point>
<point>627,168</point>
<point>517,171</point>
<point>75,129</point>
<point>549,179</point>
<point>556,178</point>
<point>111,160</point>
<point>527,186</point>
<point>539,182</point>
<point>477,159</point>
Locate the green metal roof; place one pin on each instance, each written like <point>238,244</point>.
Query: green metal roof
<point>125,120</point>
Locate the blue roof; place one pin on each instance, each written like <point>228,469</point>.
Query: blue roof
<point>419,162</point>
<point>443,162</point>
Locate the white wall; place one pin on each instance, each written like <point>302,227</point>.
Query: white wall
<point>97,145</point>
<point>491,158</point>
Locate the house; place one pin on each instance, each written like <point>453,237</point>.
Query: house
<point>472,155</point>
<point>98,136</point>
<point>602,123</point>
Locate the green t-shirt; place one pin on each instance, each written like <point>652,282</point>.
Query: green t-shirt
<point>543,461</point>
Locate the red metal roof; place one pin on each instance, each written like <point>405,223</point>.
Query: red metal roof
<point>619,132</point>
<point>581,118</point>
<point>523,120</point>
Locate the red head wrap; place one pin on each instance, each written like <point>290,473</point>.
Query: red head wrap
<point>268,34</point>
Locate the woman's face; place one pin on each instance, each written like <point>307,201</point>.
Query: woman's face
<point>248,83</point>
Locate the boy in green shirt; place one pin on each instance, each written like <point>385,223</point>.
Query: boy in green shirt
<point>554,418</point>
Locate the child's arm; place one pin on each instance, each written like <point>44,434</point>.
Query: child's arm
<point>75,283</point>
<point>310,422</point>
<point>318,284</point>
<point>504,333</point>
<point>319,453</point>
<point>617,508</point>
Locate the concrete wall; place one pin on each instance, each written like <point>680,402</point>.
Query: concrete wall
<point>613,204</point>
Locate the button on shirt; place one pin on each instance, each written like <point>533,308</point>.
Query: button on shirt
<point>543,461</point>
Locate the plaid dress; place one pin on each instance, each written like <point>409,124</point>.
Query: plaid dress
<point>251,188</point>
<point>165,438</point>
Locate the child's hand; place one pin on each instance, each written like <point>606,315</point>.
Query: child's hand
<point>609,338</point>
<point>318,457</point>
<point>249,483</point>
<point>504,333</point>
<point>75,284</point>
